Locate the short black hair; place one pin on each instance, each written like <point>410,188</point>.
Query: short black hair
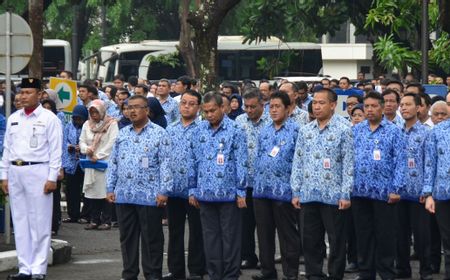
<point>425,97</point>
<point>396,82</point>
<point>375,95</point>
<point>293,85</point>
<point>193,93</point>
<point>90,89</point>
<point>345,78</point>
<point>144,87</point>
<point>69,73</point>
<point>331,94</point>
<point>119,77</point>
<point>391,91</point>
<point>283,96</point>
<point>359,97</point>
<point>186,81</point>
<point>310,108</point>
<point>133,80</point>
<point>302,85</point>
<point>52,105</point>
<point>137,96</point>
<point>213,96</point>
<point>123,91</point>
<point>437,98</point>
<point>415,97</point>
<point>112,92</point>
<point>417,85</point>
<point>253,93</point>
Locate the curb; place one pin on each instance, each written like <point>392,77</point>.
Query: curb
<point>60,252</point>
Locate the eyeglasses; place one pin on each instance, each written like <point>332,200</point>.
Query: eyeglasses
<point>131,108</point>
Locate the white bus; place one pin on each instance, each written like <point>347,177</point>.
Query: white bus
<point>237,61</point>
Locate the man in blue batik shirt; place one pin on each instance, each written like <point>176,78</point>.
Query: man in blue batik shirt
<point>379,175</point>
<point>298,115</point>
<point>391,103</point>
<point>272,192</point>
<point>252,122</point>
<point>169,104</point>
<point>437,187</point>
<point>322,180</point>
<point>412,214</point>
<point>217,182</point>
<point>181,133</point>
<point>139,178</point>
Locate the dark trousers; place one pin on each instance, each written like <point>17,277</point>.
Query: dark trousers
<point>352,252</point>
<point>443,219</point>
<point>100,211</point>
<point>56,216</point>
<point>248,230</point>
<point>375,223</point>
<point>436,244</point>
<point>415,215</point>
<point>73,193</point>
<point>141,224</point>
<point>86,210</point>
<point>177,209</point>
<point>316,219</point>
<point>221,224</point>
<point>282,216</point>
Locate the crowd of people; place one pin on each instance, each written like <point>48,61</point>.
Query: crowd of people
<point>365,189</point>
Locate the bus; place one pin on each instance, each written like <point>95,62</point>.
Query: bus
<point>57,57</point>
<point>153,60</point>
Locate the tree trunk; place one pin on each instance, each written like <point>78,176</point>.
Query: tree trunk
<point>35,11</point>
<point>185,45</point>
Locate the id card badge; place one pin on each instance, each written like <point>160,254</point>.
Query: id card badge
<point>220,159</point>
<point>327,163</point>
<point>144,162</point>
<point>275,151</point>
<point>33,141</point>
<point>376,155</point>
<point>411,163</point>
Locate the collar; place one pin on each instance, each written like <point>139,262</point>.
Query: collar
<point>416,126</point>
<point>261,119</point>
<point>35,112</point>
<point>149,124</point>
<point>223,124</point>
<point>331,122</point>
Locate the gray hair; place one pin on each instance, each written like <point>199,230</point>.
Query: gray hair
<point>437,104</point>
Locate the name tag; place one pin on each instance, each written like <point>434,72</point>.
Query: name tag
<point>144,162</point>
<point>220,159</point>
<point>376,155</point>
<point>275,151</point>
<point>33,141</point>
<point>411,163</point>
<point>327,163</point>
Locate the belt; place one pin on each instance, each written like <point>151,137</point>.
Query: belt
<point>23,163</point>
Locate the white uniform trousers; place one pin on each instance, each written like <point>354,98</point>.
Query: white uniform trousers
<point>31,211</point>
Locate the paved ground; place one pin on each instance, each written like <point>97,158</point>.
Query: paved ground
<point>96,255</point>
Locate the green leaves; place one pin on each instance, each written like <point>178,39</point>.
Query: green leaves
<point>440,54</point>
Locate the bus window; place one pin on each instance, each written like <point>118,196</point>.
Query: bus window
<point>129,63</point>
<point>54,61</point>
<point>110,71</point>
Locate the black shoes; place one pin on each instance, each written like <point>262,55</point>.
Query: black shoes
<point>248,264</point>
<point>263,277</point>
<point>169,276</point>
<point>19,276</point>
<point>38,277</point>
<point>351,268</point>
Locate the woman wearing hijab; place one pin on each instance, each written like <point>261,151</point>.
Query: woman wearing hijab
<point>124,121</point>
<point>96,141</point>
<point>236,106</point>
<point>157,113</point>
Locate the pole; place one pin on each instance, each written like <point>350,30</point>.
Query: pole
<point>8,113</point>
<point>424,41</point>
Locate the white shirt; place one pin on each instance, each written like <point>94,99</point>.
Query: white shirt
<point>36,138</point>
<point>428,123</point>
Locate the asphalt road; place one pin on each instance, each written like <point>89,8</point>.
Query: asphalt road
<point>96,255</point>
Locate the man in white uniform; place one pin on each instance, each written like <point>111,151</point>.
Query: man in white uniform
<point>31,161</point>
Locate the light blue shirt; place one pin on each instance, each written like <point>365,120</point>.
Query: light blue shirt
<point>415,153</point>
<point>140,166</point>
<point>181,137</point>
<point>300,116</point>
<point>71,136</point>
<point>437,162</point>
<point>170,106</point>
<point>252,130</point>
<point>273,169</point>
<point>210,179</point>
<point>323,163</point>
<point>376,179</point>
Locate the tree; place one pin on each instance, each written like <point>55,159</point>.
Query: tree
<point>36,9</point>
<point>205,19</point>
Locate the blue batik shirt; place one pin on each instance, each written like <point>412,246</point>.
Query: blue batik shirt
<point>2,132</point>
<point>140,166</point>
<point>252,130</point>
<point>181,137</point>
<point>398,120</point>
<point>323,163</point>
<point>71,136</point>
<point>437,162</point>
<point>379,160</point>
<point>211,179</point>
<point>415,162</point>
<point>300,116</point>
<point>274,161</point>
<point>170,107</point>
